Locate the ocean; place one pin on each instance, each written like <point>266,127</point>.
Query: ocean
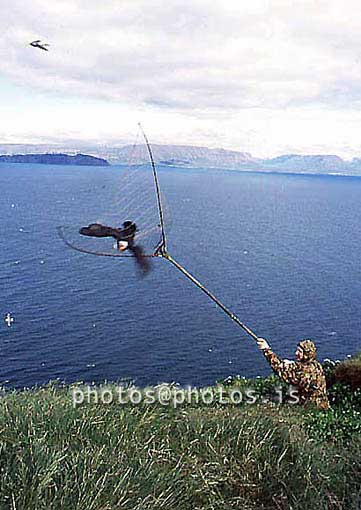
<point>281,251</point>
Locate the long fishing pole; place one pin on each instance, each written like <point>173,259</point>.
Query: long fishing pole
<point>226,310</point>
<point>162,251</point>
<point>157,187</point>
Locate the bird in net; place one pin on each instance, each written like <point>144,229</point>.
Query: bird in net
<point>134,223</point>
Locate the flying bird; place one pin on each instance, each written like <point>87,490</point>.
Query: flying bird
<point>40,45</point>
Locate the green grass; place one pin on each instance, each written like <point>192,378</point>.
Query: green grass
<point>100,457</point>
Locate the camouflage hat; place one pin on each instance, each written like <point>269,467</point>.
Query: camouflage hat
<point>309,349</point>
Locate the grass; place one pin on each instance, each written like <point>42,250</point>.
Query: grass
<point>348,372</point>
<point>102,457</point>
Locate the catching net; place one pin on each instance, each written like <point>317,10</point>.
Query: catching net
<point>128,193</point>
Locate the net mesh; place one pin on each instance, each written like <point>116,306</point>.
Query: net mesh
<point>132,197</point>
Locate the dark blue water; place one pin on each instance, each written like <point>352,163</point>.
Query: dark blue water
<point>281,251</point>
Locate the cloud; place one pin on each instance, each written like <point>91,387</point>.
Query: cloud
<point>195,63</point>
<point>186,55</point>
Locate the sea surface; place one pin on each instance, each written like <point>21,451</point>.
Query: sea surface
<point>281,251</point>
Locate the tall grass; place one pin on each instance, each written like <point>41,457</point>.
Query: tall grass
<point>100,457</point>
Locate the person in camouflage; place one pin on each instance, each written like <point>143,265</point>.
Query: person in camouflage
<point>306,373</point>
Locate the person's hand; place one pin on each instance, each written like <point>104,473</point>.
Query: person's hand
<point>262,344</point>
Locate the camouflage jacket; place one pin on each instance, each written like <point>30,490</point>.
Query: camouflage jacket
<point>306,375</point>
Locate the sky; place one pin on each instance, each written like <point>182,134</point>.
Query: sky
<point>266,77</point>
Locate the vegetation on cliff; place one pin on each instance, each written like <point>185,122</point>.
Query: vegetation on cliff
<point>55,455</point>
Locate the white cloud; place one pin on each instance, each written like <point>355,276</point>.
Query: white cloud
<point>193,67</point>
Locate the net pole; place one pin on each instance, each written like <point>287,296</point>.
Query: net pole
<point>157,187</point>
<point>211,296</point>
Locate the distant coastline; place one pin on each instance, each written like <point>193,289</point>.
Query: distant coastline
<point>180,156</point>
<point>55,159</point>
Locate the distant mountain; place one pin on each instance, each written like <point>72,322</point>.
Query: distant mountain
<point>55,159</point>
<point>184,156</point>
<point>309,164</point>
<point>355,163</point>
